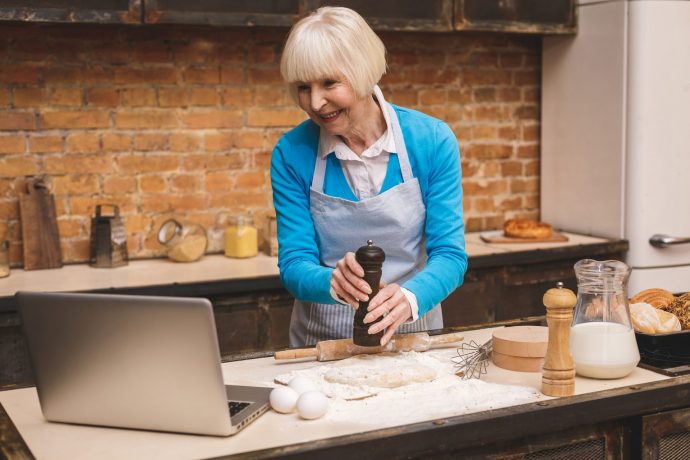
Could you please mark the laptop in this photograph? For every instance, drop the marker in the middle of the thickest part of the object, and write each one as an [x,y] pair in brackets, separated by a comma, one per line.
[141,362]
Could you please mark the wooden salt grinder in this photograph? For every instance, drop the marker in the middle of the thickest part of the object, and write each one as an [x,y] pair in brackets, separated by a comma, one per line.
[371,259]
[558,373]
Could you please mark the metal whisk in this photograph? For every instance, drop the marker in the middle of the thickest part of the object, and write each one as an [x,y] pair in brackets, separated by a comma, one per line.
[472,359]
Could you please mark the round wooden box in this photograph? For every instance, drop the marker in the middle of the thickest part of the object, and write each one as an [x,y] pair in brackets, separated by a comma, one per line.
[520,348]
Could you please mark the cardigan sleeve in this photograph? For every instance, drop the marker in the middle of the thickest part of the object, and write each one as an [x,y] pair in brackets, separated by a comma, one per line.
[444,228]
[298,255]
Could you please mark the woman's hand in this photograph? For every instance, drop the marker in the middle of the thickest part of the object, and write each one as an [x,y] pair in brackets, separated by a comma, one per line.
[347,281]
[392,304]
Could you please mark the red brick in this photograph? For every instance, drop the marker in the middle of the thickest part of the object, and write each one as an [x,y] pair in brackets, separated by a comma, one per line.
[12,144]
[213,162]
[83,75]
[29,97]
[77,164]
[86,205]
[248,139]
[152,184]
[148,75]
[83,143]
[527,112]
[75,250]
[272,95]
[147,163]
[212,119]
[151,142]
[151,52]
[4,98]
[184,183]
[285,117]
[119,184]
[217,142]
[219,180]
[202,75]
[138,97]
[205,97]
[510,204]
[461,96]
[250,180]
[46,144]
[485,187]
[484,94]
[69,228]
[406,97]
[113,142]
[485,77]
[530,132]
[529,77]
[225,200]
[17,120]
[528,151]
[511,168]
[511,60]
[531,95]
[484,205]
[491,112]
[238,97]
[432,96]
[137,223]
[172,97]
[483,132]
[22,74]
[181,142]
[483,59]
[72,97]
[264,76]
[71,185]
[508,94]
[524,185]
[485,151]
[74,120]
[14,166]
[145,119]
[232,75]
[101,97]
[9,209]
[508,133]
[263,54]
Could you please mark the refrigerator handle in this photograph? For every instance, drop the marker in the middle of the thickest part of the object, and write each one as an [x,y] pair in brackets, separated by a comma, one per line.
[662,241]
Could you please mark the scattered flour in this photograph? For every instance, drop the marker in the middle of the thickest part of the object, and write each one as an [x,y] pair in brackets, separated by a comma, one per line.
[398,388]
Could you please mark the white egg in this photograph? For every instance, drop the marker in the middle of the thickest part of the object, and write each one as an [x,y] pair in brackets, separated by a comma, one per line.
[312,405]
[283,399]
[301,384]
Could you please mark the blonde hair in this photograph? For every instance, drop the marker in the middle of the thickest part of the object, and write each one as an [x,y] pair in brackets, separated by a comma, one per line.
[330,43]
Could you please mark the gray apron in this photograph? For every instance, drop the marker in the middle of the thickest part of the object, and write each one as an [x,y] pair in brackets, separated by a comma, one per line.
[394,220]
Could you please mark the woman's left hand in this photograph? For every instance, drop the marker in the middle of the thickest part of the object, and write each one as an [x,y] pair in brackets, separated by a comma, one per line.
[392,304]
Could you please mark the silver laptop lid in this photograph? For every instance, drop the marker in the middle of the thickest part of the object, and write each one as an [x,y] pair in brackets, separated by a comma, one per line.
[126,361]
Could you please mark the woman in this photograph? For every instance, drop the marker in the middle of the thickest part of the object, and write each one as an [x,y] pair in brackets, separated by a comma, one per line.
[361,169]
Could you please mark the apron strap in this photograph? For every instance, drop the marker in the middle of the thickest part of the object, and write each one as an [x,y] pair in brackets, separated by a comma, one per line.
[319,172]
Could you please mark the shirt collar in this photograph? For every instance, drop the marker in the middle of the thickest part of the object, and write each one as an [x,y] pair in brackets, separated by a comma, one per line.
[329,144]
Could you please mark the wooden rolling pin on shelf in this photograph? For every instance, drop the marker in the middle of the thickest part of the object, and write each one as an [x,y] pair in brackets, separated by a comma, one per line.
[331,350]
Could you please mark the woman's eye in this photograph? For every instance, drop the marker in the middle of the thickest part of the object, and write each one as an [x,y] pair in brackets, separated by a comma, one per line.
[302,87]
[329,83]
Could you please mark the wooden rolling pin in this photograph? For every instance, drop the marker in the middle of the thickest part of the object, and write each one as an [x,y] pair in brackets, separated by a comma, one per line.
[331,350]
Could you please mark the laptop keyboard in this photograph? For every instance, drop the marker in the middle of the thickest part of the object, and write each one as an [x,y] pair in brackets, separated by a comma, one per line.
[236,407]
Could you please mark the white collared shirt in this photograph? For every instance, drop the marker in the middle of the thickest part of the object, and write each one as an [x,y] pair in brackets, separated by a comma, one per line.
[365,173]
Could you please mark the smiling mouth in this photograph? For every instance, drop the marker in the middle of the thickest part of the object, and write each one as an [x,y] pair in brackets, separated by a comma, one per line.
[330,117]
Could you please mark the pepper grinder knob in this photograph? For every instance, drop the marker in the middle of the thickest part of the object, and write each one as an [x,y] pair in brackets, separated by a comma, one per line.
[558,373]
[371,259]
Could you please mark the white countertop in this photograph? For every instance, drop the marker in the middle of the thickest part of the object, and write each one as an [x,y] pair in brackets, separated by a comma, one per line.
[62,441]
[154,272]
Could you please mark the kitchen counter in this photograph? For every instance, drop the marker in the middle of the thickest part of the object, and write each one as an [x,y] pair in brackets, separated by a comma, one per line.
[597,404]
[212,269]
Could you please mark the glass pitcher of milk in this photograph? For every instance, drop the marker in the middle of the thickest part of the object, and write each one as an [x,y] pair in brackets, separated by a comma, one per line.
[602,340]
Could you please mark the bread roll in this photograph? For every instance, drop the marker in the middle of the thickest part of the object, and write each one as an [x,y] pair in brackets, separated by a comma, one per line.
[657,298]
[526,228]
[650,320]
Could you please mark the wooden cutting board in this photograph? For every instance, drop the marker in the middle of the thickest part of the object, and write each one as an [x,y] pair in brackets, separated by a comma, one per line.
[40,237]
[497,236]
[520,348]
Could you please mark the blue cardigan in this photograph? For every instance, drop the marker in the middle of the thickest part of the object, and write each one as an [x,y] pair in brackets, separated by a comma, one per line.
[435,159]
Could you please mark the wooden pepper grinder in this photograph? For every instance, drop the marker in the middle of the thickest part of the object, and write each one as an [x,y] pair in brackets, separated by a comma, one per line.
[371,259]
[558,373]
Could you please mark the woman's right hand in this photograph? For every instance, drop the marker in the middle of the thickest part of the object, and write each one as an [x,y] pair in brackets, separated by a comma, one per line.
[347,281]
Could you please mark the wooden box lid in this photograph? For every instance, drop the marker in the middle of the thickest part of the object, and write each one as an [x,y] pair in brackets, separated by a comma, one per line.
[521,341]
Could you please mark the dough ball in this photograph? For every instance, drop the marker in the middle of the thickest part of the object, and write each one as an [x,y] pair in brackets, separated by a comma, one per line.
[302,385]
[283,399]
[312,405]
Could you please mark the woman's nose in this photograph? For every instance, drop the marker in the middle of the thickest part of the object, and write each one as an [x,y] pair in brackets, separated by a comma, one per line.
[317,99]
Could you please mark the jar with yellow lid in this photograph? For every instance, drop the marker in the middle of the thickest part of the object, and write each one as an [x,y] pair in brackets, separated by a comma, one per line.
[241,239]
[184,241]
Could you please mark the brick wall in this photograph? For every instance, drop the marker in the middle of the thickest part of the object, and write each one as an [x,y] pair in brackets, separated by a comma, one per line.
[181,121]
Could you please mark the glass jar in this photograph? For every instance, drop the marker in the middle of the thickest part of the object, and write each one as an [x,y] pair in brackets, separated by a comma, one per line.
[241,239]
[184,241]
[271,234]
[4,259]
[602,340]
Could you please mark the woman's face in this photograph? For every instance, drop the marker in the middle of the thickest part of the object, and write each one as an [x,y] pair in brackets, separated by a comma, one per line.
[332,104]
